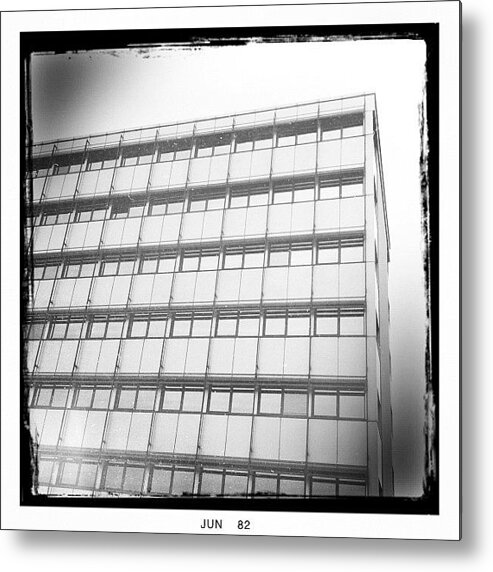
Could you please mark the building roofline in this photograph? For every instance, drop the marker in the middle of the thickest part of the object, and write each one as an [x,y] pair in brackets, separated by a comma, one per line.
[206,118]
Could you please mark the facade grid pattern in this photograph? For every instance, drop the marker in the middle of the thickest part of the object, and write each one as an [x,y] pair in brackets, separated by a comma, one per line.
[208,308]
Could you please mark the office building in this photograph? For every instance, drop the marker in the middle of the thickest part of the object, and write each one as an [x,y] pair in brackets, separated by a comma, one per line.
[209,309]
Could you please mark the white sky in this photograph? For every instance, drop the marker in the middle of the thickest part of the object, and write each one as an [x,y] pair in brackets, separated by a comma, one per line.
[81,94]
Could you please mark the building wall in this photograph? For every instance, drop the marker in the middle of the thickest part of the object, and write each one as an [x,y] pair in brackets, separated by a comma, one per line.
[204,307]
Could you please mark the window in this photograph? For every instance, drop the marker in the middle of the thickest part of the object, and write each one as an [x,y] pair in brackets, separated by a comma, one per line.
[55,217]
[45,272]
[126,209]
[297,135]
[62,328]
[339,322]
[174,150]
[141,155]
[35,330]
[141,398]
[195,325]
[295,254]
[348,125]
[288,403]
[248,141]
[340,404]
[336,187]
[78,269]
[297,191]
[148,327]
[205,259]
[249,197]
[102,160]
[217,145]
[64,164]
[104,327]
[185,399]
[244,257]
[160,264]
[90,214]
[210,201]
[117,266]
[171,205]
[50,397]
[335,251]
[219,400]
[243,324]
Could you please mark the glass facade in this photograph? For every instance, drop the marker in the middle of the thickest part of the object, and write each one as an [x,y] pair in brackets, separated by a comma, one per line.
[205,317]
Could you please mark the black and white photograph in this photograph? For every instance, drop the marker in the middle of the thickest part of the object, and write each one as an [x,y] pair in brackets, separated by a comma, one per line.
[229,279]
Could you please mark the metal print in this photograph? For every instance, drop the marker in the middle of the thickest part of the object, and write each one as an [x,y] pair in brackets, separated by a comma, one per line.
[229,272]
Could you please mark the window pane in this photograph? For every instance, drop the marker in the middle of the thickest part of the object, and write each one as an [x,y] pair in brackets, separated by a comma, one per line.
[238,200]
[182,483]
[190,263]
[44,397]
[149,266]
[59,397]
[352,406]
[172,400]
[290,487]
[70,472]
[211,484]
[274,325]
[282,197]
[235,485]
[161,480]
[133,479]
[87,269]
[139,329]
[219,401]
[84,397]
[87,475]
[298,325]
[114,476]
[74,330]
[145,399]
[114,329]
[325,404]
[295,403]
[323,488]
[303,195]
[181,327]
[270,403]
[166,265]
[352,254]
[327,255]
[192,401]
[209,262]
[253,259]
[265,486]
[242,402]
[279,258]
[226,326]
[101,398]
[127,398]
[301,257]
[126,267]
[201,327]
[259,199]
[157,329]
[248,326]
[326,325]
[351,325]
[351,489]
[233,260]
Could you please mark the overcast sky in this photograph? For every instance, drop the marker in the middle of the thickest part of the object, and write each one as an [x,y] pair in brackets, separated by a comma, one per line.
[81,94]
